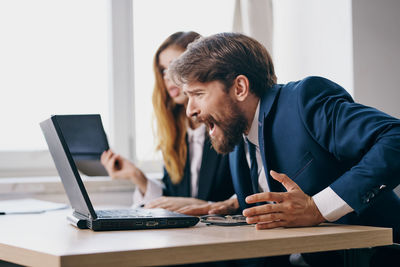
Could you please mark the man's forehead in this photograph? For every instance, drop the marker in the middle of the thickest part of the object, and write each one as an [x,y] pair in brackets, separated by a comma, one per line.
[195,86]
[188,87]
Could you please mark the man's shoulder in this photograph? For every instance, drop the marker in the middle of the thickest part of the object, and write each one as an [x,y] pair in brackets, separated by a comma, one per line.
[315,87]
[309,83]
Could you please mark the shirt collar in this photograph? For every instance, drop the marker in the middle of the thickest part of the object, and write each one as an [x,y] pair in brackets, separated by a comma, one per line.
[253,132]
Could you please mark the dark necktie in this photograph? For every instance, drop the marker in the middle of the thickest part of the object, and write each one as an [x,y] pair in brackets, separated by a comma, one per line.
[253,166]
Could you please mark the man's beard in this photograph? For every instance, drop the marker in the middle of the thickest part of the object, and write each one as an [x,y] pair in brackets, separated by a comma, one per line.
[232,128]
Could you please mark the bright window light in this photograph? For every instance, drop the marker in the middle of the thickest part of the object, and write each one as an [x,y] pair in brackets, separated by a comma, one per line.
[154,21]
[53,60]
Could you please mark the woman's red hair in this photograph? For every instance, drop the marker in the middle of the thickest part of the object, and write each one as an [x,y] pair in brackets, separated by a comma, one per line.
[171,120]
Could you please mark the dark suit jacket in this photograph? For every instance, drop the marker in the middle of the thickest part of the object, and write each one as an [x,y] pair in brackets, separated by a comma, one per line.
[215,182]
[313,131]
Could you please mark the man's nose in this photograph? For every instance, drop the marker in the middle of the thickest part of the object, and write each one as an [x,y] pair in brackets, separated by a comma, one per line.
[191,109]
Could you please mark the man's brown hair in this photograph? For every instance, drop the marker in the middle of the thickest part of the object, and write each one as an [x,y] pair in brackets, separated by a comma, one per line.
[222,57]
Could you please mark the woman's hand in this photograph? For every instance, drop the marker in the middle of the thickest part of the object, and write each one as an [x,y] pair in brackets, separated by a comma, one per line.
[173,203]
[229,206]
[120,168]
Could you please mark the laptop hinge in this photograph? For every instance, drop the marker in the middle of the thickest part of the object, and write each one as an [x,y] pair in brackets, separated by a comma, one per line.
[83,216]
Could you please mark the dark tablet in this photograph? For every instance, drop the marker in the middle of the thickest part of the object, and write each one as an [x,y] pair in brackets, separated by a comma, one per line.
[86,139]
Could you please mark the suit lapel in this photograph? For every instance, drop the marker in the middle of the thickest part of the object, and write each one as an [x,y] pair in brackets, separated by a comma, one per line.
[208,167]
[266,104]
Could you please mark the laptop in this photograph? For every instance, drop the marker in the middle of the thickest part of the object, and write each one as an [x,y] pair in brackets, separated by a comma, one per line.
[86,139]
[101,220]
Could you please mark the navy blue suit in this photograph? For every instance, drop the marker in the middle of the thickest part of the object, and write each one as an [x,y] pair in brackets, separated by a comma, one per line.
[215,182]
[313,131]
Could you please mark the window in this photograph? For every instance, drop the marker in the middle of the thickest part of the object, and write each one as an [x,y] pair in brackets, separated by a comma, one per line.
[74,56]
[154,21]
[54,60]
[313,38]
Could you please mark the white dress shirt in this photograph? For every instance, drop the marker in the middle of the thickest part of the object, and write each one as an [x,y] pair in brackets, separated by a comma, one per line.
[196,143]
[331,206]
[155,187]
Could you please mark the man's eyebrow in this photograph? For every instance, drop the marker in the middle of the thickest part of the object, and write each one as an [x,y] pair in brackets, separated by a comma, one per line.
[192,91]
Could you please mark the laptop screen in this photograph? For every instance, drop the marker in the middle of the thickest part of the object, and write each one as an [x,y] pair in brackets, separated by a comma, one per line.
[66,168]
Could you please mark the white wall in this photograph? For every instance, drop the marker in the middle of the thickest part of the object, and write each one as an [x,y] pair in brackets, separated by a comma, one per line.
[313,37]
[376,39]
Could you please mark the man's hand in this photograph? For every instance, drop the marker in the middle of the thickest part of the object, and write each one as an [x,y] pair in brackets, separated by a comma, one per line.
[173,203]
[229,206]
[292,208]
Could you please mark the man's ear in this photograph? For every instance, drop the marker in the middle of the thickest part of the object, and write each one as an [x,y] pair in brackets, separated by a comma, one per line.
[241,87]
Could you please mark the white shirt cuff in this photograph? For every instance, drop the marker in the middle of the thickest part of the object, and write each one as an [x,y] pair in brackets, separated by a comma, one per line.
[154,190]
[331,206]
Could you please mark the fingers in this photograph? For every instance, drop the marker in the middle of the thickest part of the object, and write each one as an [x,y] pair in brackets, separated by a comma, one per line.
[284,180]
[157,203]
[105,156]
[226,207]
[149,206]
[270,225]
[265,218]
[292,208]
[108,158]
[195,210]
[264,197]
[203,209]
[263,209]
[171,203]
[113,162]
[224,210]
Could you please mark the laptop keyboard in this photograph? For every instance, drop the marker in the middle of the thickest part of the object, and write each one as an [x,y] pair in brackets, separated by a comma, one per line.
[124,213]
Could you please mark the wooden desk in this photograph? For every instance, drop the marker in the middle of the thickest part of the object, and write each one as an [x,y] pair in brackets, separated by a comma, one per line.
[48,240]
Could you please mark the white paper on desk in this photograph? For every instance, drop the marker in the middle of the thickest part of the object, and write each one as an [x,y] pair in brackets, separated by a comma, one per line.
[28,205]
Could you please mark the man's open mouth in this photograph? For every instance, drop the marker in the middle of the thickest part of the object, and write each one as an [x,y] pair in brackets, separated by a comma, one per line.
[209,122]
[211,127]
